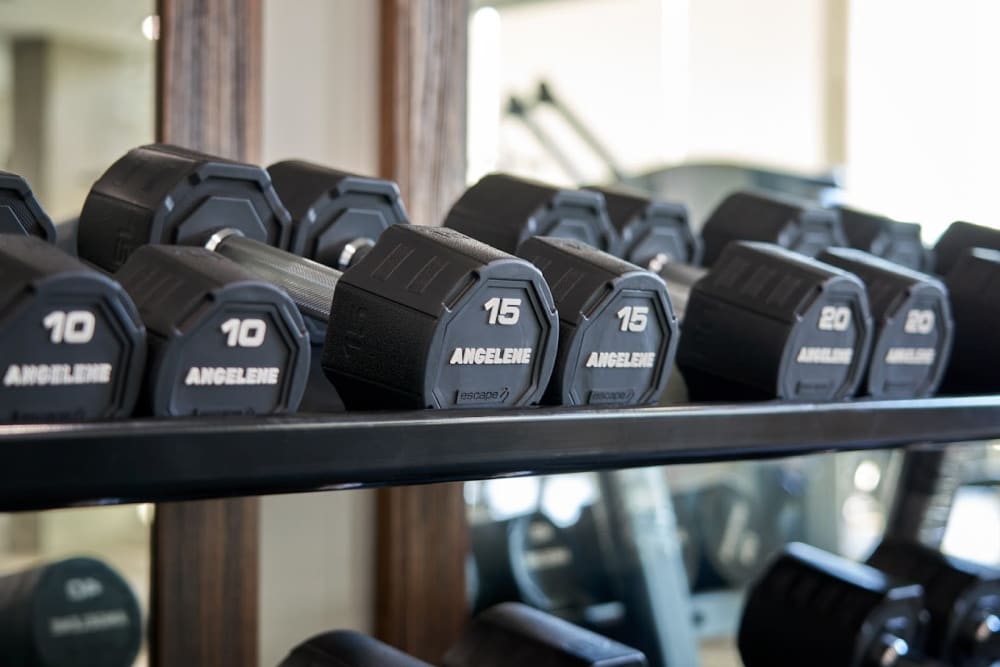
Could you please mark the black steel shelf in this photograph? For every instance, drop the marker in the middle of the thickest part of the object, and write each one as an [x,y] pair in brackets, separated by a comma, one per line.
[44,466]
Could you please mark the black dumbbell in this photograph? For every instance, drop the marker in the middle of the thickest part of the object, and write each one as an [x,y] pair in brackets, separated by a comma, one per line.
[963,599]
[515,635]
[765,322]
[504,211]
[617,329]
[913,325]
[756,216]
[958,240]
[348,648]
[813,608]
[973,284]
[427,318]
[220,340]
[66,614]
[617,332]
[162,194]
[71,342]
[20,212]
[652,231]
[897,242]
[337,216]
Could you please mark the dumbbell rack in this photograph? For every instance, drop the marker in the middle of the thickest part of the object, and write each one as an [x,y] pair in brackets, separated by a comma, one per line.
[60,465]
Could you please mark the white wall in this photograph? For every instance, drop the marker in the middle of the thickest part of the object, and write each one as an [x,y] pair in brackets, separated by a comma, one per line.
[321,104]
[923,105]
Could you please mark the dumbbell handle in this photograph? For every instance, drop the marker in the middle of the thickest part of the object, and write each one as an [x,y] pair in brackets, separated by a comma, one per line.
[680,278]
[310,284]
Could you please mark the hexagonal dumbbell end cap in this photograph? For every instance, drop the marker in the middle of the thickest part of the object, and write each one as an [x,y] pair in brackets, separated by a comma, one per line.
[432,318]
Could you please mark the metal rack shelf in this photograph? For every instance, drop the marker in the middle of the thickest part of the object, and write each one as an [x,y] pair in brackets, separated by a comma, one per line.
[43,466]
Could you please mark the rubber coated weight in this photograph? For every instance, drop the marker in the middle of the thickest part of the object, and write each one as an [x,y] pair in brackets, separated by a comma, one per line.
[337,216]
[162,194]
[73,613]
[973,285]
[897,242]
[20,212]
[221,341]
[504,211]
[347,648]
[72,346]
[958,240]
[754,216]
[427,318]
[913,325]
[813,608]
[765,322]
[514,635]
[617,330]
[963,599]
[651,230]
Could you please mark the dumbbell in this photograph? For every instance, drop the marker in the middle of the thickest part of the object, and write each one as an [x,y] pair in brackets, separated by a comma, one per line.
[813,608]
[756,216]
[766,322]
[504,211]
[652,231]
[348,648]
[69,613]
[72,346]
[221,341]
[973,283]
[913,325]
[617,333]
[963,599]
[958,240]
[337,216]
[515,635]
[163,194]
[427,318]
[20,212]
[894,241]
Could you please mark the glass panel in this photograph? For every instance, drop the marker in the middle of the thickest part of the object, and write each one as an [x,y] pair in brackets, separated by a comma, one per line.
[76,91]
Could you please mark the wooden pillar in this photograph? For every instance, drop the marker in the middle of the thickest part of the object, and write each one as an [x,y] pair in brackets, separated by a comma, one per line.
[422,537]
[206,553]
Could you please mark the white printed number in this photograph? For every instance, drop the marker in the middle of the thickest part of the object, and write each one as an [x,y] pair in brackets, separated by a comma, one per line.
[503,311]
[834,318]
[75,327]
[244,333]
[633,318]
[919,322]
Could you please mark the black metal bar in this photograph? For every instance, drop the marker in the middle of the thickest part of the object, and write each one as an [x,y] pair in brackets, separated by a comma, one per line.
[164,460]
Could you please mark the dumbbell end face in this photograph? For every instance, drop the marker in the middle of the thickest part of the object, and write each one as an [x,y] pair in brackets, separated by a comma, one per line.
[247,352]
[347,648]
[973,284]
[650,229]
[71,342]
[537,639]
[20,212]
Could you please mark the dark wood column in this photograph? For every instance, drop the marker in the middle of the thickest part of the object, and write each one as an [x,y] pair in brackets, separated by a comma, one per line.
[422,537]
[206,554]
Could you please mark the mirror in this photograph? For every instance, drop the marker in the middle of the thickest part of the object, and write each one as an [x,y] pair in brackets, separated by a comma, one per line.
[76,91]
